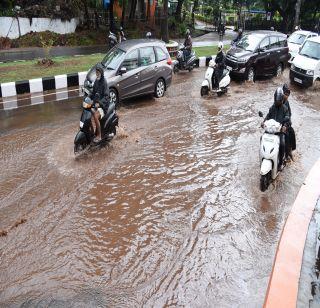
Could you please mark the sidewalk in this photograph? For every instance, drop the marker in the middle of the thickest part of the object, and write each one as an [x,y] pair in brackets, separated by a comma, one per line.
[16,54]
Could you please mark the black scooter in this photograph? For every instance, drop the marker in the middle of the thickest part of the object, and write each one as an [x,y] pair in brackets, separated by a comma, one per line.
[184,64]
[85,136]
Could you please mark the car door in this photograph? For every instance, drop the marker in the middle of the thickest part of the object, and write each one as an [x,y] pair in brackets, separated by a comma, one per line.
[275,52]
[149,69]
[128,83]
[263,62]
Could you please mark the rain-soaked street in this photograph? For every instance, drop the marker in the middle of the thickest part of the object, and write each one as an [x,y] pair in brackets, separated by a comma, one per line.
[170,214]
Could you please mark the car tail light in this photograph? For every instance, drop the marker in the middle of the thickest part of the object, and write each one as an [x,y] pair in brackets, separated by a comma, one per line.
[169,61]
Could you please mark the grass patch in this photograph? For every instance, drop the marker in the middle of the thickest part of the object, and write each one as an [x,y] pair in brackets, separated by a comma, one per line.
[208,50]
[14,71]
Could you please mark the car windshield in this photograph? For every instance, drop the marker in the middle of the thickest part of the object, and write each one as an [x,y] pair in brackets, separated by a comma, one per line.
[249,42]
[311,50]
[113,58]
[296,38]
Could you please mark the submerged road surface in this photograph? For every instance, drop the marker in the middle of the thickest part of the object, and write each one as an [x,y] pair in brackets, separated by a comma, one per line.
[170,214]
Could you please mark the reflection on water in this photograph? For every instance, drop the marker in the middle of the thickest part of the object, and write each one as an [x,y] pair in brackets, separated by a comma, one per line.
[170,213]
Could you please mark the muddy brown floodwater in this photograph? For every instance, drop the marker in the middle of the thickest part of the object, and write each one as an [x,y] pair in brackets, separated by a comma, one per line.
[170,214]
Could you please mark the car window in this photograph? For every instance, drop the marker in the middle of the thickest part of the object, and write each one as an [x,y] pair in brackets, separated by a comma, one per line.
[161,55]
[282,41]
[265,43]
[131,60]
[147,56]
[274,42]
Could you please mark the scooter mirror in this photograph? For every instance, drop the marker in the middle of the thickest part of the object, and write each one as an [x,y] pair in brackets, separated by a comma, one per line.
[260,114]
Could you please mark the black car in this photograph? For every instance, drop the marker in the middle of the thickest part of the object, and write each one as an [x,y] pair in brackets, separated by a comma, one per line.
[258,53]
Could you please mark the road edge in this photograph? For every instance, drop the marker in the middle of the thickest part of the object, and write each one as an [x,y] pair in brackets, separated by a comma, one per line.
[283,284]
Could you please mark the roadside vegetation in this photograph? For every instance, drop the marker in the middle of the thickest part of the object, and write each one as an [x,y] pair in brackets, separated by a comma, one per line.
[14,71]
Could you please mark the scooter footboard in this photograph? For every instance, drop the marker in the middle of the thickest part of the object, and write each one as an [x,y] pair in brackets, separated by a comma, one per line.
[81,138]
[266,166]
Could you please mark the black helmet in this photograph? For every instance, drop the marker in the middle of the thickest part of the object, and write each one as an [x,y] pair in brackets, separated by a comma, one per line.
[100,69]
[286,89]
[278,96]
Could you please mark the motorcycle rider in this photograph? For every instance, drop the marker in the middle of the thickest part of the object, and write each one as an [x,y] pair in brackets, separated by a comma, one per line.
[280,113]
[291,137]
[187,45]
[121,35]
[100,97]
[238,38]
[219,67]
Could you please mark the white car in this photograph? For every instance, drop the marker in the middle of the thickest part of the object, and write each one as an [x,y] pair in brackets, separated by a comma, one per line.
[305,67]
[296,40]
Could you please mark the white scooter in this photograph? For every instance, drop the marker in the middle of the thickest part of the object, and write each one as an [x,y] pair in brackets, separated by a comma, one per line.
[224,83]
[269,152]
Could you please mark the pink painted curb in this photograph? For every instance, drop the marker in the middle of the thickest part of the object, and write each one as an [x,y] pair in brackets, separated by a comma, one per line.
[284,280]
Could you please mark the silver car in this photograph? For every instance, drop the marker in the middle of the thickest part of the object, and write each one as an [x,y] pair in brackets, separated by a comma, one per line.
[133,68]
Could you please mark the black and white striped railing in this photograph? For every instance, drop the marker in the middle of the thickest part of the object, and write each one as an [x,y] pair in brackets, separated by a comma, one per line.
[10,89]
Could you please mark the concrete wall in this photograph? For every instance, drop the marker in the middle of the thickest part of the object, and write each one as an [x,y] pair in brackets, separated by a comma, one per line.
[9,26]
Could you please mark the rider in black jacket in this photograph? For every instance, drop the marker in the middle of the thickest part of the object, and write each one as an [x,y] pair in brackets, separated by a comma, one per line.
[220,66]
[187,45]
[100,97]
[280,113]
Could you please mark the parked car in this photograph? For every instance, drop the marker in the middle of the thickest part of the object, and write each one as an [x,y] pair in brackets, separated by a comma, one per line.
[134,68]
[296,40]
[258,53]
[305,68]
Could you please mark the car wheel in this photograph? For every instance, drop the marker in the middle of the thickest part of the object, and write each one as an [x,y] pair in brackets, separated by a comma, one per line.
[114,97]
[251,74]
[160,88]
[279,70]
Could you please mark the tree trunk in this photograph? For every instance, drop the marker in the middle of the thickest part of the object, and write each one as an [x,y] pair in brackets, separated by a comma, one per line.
[195,7]
[164,22]
[86,13]
[178,10]
[148,9]
[111,17]
[142,9]
[297,16]
[133,9]
[123,14]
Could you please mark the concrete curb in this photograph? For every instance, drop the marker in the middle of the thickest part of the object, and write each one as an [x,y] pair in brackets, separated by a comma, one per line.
[37,85]
[284,280]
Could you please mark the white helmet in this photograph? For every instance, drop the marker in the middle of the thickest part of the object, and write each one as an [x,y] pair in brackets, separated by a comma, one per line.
[220,45]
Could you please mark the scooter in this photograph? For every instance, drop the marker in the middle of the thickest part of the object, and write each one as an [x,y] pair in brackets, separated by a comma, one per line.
[84,138]
[224,83]
[184,64]
[269,152]
[113,41]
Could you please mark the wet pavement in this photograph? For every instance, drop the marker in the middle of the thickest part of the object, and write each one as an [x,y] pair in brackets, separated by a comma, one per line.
[169,214]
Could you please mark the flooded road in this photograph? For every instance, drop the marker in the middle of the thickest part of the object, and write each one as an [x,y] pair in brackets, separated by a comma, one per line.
[170,214]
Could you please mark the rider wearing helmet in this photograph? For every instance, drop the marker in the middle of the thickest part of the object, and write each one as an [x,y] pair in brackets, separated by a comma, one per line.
[100,97]
[239,36]
[291,136]
[187,45]
[148,35]
[280,113]
[219,67]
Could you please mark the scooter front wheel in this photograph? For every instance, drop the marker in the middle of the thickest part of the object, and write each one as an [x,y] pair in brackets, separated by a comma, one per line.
[204,91]
[265,181]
